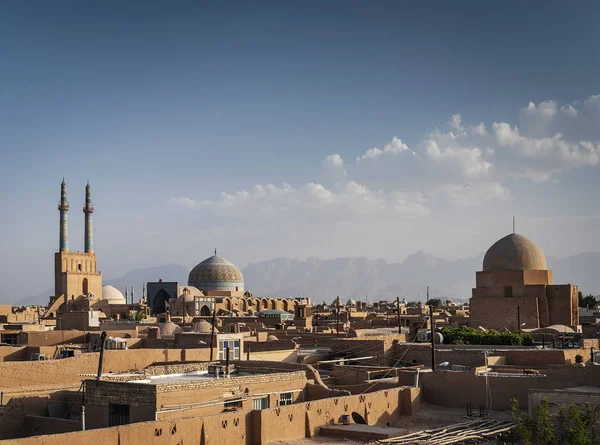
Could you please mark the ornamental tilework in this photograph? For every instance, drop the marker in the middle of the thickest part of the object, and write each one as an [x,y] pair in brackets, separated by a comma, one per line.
[216,273]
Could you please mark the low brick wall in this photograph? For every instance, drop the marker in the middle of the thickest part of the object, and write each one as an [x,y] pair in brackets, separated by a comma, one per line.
[283,423]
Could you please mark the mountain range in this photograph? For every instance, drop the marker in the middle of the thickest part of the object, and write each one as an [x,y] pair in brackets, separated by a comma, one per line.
[361,278]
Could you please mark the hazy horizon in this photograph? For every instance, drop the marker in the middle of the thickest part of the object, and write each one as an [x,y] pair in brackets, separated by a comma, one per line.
[312,130]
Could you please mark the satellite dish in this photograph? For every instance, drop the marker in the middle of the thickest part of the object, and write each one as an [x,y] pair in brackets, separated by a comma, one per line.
[443,364]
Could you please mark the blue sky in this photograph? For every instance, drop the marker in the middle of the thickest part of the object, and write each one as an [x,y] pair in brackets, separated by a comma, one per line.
[239,125]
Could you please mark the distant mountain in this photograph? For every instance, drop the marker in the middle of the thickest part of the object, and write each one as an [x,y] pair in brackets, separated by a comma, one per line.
[357,276]
[361,277]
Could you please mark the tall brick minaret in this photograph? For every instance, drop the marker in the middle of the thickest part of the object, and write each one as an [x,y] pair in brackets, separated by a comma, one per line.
[63,207]
[88,209]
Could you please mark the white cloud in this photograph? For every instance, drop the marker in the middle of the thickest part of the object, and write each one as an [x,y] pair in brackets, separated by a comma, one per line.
[334,166]
[465,171]
[547,109]
[184,202]
[394,147]
[564,153]
[474,194]
[569,110]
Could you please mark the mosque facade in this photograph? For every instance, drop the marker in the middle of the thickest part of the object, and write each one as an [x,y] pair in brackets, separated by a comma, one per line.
[515,289]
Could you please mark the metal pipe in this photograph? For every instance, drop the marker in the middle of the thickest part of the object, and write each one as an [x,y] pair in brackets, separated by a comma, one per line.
[82,417]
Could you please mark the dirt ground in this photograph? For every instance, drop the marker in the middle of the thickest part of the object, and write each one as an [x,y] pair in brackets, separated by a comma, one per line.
[429,417]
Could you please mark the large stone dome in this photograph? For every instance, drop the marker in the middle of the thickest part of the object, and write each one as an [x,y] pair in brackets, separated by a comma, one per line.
[216,273]
[514,252]
[112,295]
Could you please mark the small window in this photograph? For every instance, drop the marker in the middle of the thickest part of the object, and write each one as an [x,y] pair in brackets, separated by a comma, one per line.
[118,414]
[233,404]
[286,398]
[9,339]
[260,403]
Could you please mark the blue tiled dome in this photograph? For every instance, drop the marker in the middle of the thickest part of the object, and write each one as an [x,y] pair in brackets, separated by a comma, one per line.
[216,273]
[514,252]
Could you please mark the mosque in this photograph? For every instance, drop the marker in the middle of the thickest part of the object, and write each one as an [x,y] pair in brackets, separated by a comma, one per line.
[216,284]
[515,289]
[78,285]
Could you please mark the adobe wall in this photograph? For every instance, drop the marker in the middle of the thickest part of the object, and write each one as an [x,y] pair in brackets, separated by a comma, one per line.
[501,278]
[564,303]
[284,355]
[456,389]
[283,423]
[501,312]
[297,421]
[13,353]
[38,425]
[544,357]
[54,374]
[379,347]
[421,353]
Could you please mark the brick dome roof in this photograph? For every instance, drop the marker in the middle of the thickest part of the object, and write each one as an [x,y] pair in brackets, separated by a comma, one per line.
[514,252]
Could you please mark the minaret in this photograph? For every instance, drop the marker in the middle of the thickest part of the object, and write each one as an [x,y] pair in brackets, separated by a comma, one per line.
[88,209]
[63,207]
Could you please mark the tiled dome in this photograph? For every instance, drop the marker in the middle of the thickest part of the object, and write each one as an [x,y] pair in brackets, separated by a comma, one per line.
[216,273]
[514,252]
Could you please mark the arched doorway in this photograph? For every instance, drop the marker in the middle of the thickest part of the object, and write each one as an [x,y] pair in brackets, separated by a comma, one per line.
[205,311]
[161,298]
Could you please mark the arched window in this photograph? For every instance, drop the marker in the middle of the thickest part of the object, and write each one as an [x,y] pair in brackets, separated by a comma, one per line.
[85,286]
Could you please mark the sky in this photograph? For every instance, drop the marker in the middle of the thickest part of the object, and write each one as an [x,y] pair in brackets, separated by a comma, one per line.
[295,129]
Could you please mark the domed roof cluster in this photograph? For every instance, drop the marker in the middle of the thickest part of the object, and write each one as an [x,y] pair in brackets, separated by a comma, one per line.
[112,295]
[514,252]
[216,273]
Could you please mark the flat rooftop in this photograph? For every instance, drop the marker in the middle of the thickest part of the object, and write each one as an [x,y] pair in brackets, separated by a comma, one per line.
[187,377]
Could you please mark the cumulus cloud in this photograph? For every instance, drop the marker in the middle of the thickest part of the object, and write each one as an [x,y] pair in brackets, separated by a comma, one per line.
[394,147]
[466,166]
[184,202]
[334,165]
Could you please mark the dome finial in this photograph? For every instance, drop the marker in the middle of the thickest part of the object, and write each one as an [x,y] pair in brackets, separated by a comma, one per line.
[513,225]
[215,251]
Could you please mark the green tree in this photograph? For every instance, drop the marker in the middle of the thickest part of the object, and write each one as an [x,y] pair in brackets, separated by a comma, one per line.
[435,302]
[587,301]
[523,422]
[575,425]
[545,432]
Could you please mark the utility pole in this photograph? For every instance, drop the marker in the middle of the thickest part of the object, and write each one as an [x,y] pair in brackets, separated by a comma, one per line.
[102,340]
[519,318]
[398,310]
[337,316]
[432,322]
[212,332]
